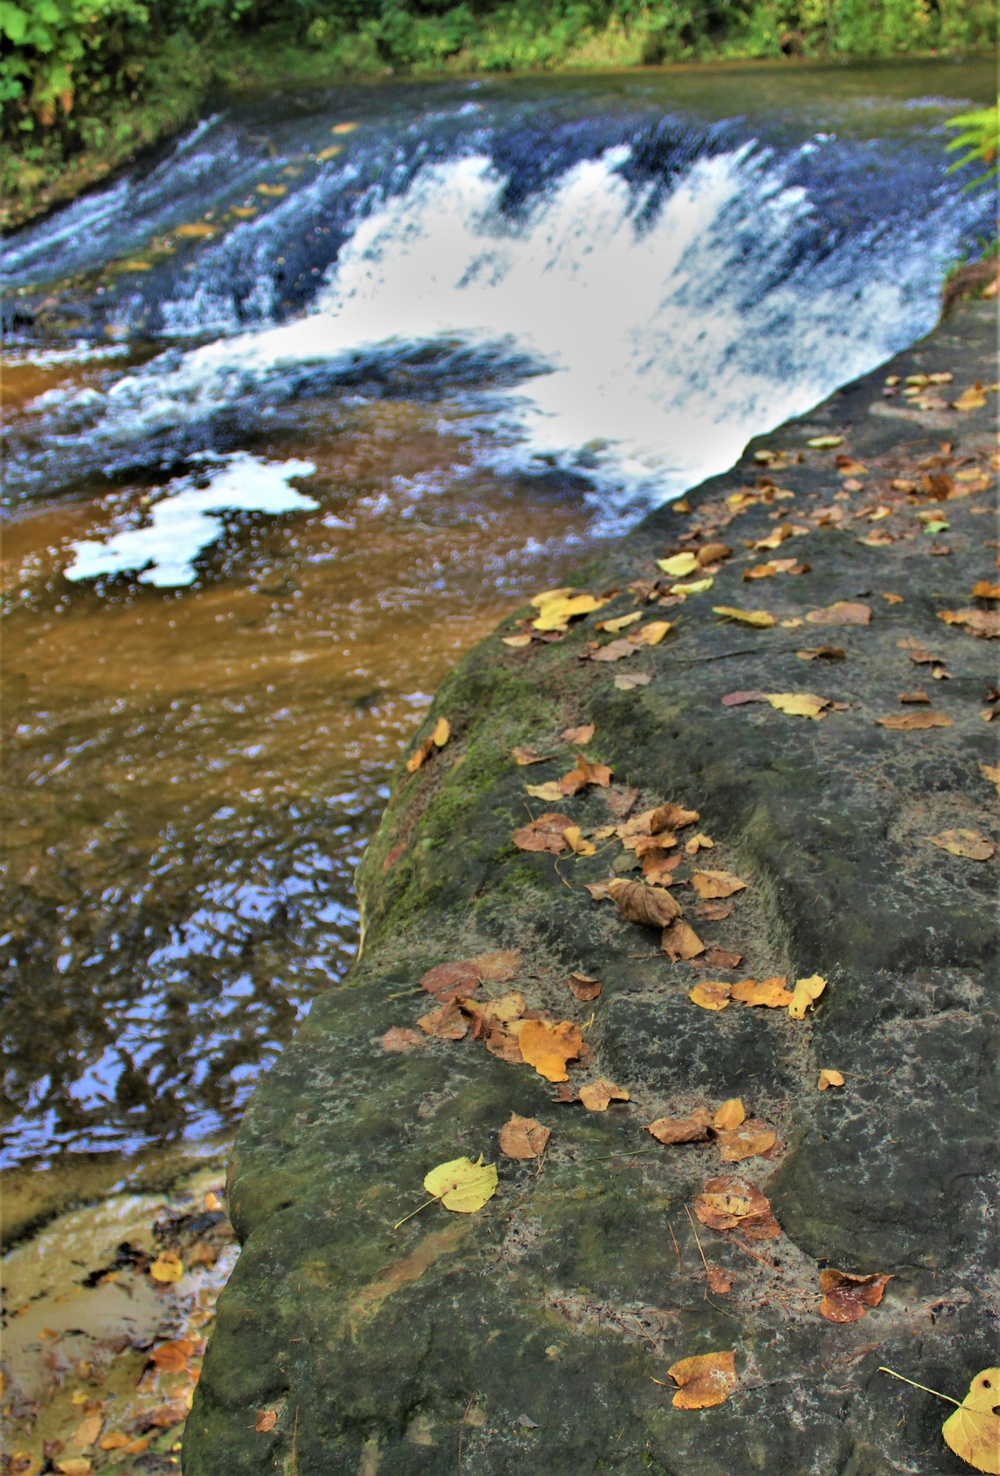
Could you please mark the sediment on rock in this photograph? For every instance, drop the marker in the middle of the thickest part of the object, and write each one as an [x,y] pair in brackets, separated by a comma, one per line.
[535,1335]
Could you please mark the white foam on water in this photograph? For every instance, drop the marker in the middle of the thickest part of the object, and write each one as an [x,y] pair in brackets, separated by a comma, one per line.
[186,520]
[661,345]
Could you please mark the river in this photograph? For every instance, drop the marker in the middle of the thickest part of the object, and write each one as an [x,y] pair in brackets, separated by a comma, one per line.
[297,408]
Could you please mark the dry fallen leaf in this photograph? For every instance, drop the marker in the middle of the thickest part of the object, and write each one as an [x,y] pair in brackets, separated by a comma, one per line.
[637,679]
[525,756]
[619,622]
[705,1380]
[973,1431]
[172,1357]
[719,1281]
[713,553]
[556,608]
[598,1094]
[549,791]
[799,704]
[741,698]
[691,1129]
[653,633]
[730,1202]
[576,842]
[436,741]
[825,443]
[584,988]
[992,773]
[713,911]
[549,1047]
[841,612]
[115,1441]
[985,623]
[730,1115]
[822,653]
[711,994]
[711,885]
[515,641]
[971,399]
[908,722]
[759,618]
[401,1040]
[721,958]
[968,843]
[461,1185]
[266,1420]
[805,994]
[523,1137]
[847,1298]
[750,1140]
[984,590]
[698,843]
[615,650]
[74,1466]
[829,1078]
[678,566]
[771,993]
[671,817]
[653,907]
[580,736]
[447,1022]
[87,1431]
[167,1267]
[543,834]
[680,941]
[583,774]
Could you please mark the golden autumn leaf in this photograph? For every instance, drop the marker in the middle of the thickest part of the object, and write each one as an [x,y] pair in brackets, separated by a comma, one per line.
[968,843]
[167,1267]
[713,553]
[970,399]
[824,443]
[543,834]
[576,842]
[549,1047]
[670,817]
[523,1137]
[653,633]
[265,1421]
[711,885]
[579,736]
[615,650]
[196,230]
[680,941]
[985,623]
[461,1185]
[678,565]
[243,212]
[88,1430]
[653,907]
[705,1380]
[798,704]
[750,1140]
[525,756]
[619,622]
[758,618]
[771,993]
[172,1357]
[74,1465]
[829,1078]
[841,612]
[598,1095]
[909,722]
[991,772]
[848,1298]
[330,152]
[516,641]
[730,1202]
[973,1431]
[549,791]
[730,1114]
[698,843]
[584,773]
[556,612]
[692,586]
[340,128]
[114,1441]
[805,994]
[691,1129]
[983,589]
[711,994]
[276,191]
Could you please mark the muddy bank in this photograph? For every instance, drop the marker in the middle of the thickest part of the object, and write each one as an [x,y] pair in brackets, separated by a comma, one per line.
[536,1334]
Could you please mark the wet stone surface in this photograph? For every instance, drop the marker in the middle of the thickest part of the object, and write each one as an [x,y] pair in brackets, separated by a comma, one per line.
[536,1335]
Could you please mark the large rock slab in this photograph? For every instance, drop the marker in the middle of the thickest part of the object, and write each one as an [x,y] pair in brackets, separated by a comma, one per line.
[536,1334]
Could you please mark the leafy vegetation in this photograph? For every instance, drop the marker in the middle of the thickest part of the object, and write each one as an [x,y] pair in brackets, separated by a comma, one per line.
[83,83]
[980,138]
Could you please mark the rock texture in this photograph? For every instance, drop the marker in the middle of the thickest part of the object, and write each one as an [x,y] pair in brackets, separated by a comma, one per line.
[535,1336]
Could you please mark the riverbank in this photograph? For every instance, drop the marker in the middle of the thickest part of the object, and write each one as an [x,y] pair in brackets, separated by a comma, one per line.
[793,668]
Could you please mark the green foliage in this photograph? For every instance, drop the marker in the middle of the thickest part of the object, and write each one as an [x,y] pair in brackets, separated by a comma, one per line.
[980,138]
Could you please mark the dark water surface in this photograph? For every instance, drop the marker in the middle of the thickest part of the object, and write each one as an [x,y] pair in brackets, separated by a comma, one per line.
[289,429]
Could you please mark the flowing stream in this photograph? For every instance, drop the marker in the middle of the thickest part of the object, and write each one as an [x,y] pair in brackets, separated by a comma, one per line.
[296,410]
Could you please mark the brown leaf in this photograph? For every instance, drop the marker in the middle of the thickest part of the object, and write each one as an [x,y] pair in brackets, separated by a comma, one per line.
[681,941]
[908,722]
[713,553]
[653,907]
[448,981]
[721,958]
[739,699]
[750,1140]
[549,791]
[714,884]
[658,864]
[822,653]
[968,843]
[620,800]
[266,1420]
[691,1129]
[525,756]
[772,993]
[165,1415]
[713,911]
[848,1298]
[671,817]
[841,612]
[829,1078]
[985,623]
[583,988]
[731,1202]
[711,994]
[436,741]
[549,1047]
[446,1021]
[543,834]
[172,1357]
[719,1281]
[580,736]
[87,1431]
[598,890]
[635,679]
[699,842]
[393,856]
[705,1380]
[576,842]
[583,774]
[523,1137]
[401,1039]
[598,1094]
[615,650]
[991,772]
[914,699]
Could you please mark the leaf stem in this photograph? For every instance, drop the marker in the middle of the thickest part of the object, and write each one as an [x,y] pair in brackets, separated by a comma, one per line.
[936,1392]
[433,1200]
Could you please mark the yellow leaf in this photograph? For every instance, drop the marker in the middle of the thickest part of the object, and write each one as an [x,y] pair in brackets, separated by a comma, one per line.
[136,266]
[799,704]
[243,212]
[678,565]
[340,128]
[711,884]
[547,791]
[973,1431]
[829,1078]
[549,1047]
[825,443]
[276,190]
[329,153]
[516,640]
[968,843]
[751,1139]
[771,993]
[805,995]
[599,1094]
[711,994]
[167,1267]
[705,1380]
[653,633]
[759,618]
[74,1466]
[620,622]
[991,772]
[87,1431]
[730,1114]
[695,586]
[970,399]
[461,1185]
[548,596]
[577,844]
[442,732]
[197,230]
[556,614]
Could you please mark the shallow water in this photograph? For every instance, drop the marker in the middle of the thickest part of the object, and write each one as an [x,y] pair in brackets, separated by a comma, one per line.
[268,476]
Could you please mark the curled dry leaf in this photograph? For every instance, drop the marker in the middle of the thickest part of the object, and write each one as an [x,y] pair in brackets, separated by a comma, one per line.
[400,1039]
[584,988]
[730,1202]
[583,774]
[436,741]
[461,1185]
[658,866]
[680,941]
[771,993]
[825,443]
[848,1298]
[713,553]
[525,756]
[721,958]
[543,834]
[751,1139]
[653,907]
[576,842]
[671,817]
[619,622]
[691,1129]
[580,736]
[711,994]
[705,1380]
[549,1047]
[598,890]
[266,1420]
[829,1078]
[968,843]
[761,619]
[597,1096]
[713,911]
[909,722]
[741,698]
[523,1137]
[730,1115]
[549,791]
[447,1022]
[973,1431]
[698,843]
[711,885]
[822,653]
[805,994]
[615,650]
[841,612]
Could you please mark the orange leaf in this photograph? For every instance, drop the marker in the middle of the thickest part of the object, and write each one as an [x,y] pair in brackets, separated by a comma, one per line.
[523,1137]
[750,1140]
[543,834]
[681,941]
[848,1298]
[691,1129]
[549,1047]
[705,1380]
